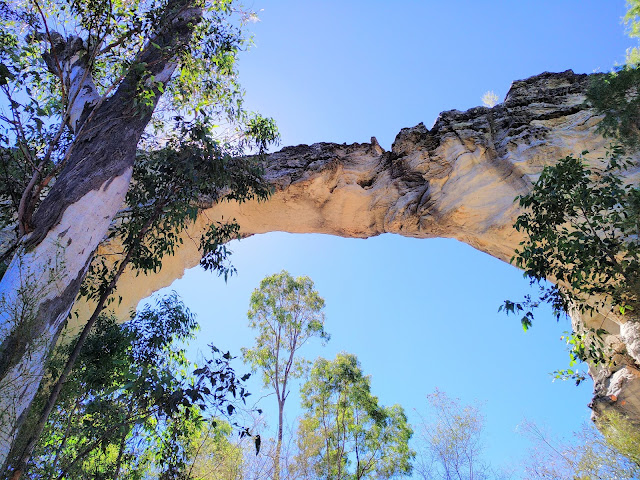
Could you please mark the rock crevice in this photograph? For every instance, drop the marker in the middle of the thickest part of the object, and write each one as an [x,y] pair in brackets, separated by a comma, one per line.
[458,179]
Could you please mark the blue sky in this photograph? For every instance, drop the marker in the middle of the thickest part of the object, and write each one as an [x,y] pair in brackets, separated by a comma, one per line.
[419,314]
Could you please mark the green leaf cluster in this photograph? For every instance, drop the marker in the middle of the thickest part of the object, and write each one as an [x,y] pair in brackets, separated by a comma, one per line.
[581,228]
[134,405]
[286,312]
[170,186]
[345,433]
[616,96]
[581,225]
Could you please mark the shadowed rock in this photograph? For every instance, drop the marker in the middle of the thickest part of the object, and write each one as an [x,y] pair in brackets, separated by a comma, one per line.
[456,180]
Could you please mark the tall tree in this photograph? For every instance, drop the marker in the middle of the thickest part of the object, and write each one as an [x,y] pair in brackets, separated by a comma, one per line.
[134,404]
[78,105]
[286,312]
[450,442]
[345,433]
[161,202]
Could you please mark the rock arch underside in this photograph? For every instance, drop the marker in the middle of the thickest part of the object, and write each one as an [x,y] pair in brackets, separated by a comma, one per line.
[455,180]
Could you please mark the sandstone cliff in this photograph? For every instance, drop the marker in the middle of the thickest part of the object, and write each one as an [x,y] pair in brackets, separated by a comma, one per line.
[457,179]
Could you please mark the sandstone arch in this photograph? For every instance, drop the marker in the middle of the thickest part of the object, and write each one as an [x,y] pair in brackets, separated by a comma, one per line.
[457,180]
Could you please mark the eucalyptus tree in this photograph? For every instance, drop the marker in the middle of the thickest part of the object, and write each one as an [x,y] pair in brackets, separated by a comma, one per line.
[286,312]
[134,405]
[345,433]
[82,81]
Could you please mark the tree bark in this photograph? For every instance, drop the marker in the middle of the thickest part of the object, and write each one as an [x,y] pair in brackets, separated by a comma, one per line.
[276,461]
[44,277]
[21,459]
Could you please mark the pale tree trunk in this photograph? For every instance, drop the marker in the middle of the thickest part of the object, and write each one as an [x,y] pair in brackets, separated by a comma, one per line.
[44,277]
[276,462]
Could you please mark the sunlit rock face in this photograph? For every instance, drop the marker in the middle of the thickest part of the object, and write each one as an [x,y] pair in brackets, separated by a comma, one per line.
[457,179]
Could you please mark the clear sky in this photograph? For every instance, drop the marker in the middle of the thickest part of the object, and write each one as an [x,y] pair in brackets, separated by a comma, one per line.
[419,314]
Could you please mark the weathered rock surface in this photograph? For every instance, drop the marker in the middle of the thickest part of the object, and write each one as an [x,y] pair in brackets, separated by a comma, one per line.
[457,179]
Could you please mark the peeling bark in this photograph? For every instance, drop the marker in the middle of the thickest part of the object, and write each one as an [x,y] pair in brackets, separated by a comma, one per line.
[44,277]
[457,179]
[70,60]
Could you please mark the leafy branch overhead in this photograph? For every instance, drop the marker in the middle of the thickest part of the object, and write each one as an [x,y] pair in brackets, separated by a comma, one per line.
[582,227]
[170,187]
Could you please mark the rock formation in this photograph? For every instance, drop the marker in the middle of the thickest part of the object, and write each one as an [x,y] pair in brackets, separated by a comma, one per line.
[457,179]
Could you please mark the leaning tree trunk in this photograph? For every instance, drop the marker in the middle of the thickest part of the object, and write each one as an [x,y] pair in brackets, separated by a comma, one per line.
[44,277]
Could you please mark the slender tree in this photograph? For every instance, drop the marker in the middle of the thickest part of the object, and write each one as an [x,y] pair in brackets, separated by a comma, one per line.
[345,433]
[607,449]
[286,312]
[82,81]
[134,404]
[450,441]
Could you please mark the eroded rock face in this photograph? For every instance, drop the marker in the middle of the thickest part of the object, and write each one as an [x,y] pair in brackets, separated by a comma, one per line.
[457,179]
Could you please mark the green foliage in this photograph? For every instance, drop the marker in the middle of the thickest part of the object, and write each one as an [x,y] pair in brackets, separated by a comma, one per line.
[116,31]
[345,433]
[581,226]
[134,404]
[286,312]
[262,132]
[616,96]
[170,185]
[586,345]
[31,141]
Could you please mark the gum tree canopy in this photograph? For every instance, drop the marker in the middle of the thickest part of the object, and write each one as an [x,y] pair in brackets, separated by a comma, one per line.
[82,83]
[286,313]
